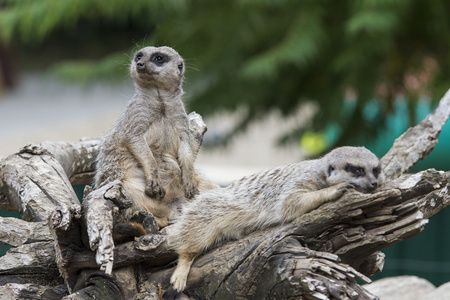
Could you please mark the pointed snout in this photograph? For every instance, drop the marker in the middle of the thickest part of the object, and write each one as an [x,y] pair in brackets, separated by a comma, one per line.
[365,186]
[371,186]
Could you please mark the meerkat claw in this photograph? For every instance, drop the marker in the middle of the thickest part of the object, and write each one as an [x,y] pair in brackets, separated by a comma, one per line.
[155,190]
[350,186]
[190,191]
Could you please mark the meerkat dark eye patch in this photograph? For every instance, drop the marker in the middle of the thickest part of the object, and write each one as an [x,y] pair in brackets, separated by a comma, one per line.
[376,171]
[138,56]
[356,171]
[159,58]
[180,67]
[330,169]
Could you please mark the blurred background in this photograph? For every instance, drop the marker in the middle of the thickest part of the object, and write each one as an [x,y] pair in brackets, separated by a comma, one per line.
[276,81]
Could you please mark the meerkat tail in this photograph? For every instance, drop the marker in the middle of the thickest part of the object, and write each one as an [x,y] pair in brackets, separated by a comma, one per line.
[124,232]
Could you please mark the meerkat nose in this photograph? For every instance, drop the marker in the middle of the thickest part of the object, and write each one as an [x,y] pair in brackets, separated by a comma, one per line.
[140,65]
[374,184]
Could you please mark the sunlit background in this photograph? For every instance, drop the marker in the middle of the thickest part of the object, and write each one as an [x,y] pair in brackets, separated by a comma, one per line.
[276,81]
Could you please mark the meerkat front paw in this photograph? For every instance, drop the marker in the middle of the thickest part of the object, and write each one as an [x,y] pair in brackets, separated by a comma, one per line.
[197,125]
[154,189]
[341,188]
[190,190]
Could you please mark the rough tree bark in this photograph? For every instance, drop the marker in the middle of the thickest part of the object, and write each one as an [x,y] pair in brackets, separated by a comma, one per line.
[318,256]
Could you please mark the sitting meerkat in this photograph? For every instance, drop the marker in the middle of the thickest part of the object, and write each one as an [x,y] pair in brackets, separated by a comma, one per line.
[152,148]
[268,198]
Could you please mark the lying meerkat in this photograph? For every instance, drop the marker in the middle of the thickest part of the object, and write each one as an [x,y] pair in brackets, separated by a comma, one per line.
[268,198]
[151,149]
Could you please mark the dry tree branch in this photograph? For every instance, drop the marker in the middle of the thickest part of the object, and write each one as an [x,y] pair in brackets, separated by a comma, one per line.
[318,255]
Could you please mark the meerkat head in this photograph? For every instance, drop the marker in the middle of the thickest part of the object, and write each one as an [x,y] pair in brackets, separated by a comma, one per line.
[355,165]
[157,67]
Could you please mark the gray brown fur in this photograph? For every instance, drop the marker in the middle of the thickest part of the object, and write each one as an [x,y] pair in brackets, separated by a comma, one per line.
[152,147]
[268,198]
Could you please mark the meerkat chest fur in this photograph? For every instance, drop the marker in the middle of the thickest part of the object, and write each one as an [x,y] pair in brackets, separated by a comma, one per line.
[168,127]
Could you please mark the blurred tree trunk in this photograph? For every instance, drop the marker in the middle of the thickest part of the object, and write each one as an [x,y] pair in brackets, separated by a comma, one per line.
[318,256]
[7,67]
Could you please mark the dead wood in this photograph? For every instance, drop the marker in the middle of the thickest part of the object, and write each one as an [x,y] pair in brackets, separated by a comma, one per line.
[417,142]
[318,256]
[16,232]
[32,291]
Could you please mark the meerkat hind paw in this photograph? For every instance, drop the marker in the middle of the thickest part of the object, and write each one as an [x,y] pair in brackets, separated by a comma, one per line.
[178,281]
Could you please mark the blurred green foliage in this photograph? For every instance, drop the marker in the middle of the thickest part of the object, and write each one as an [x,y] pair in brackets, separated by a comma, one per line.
[258,54]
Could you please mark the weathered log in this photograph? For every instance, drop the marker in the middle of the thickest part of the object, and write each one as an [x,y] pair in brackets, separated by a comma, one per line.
[67,241]
[28,258]
[77,159]
[417,142]
[30,180]
[32,291]
[318,255]
[261,266]
[98,214]
[42,172]
[16,232]
[34,182]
